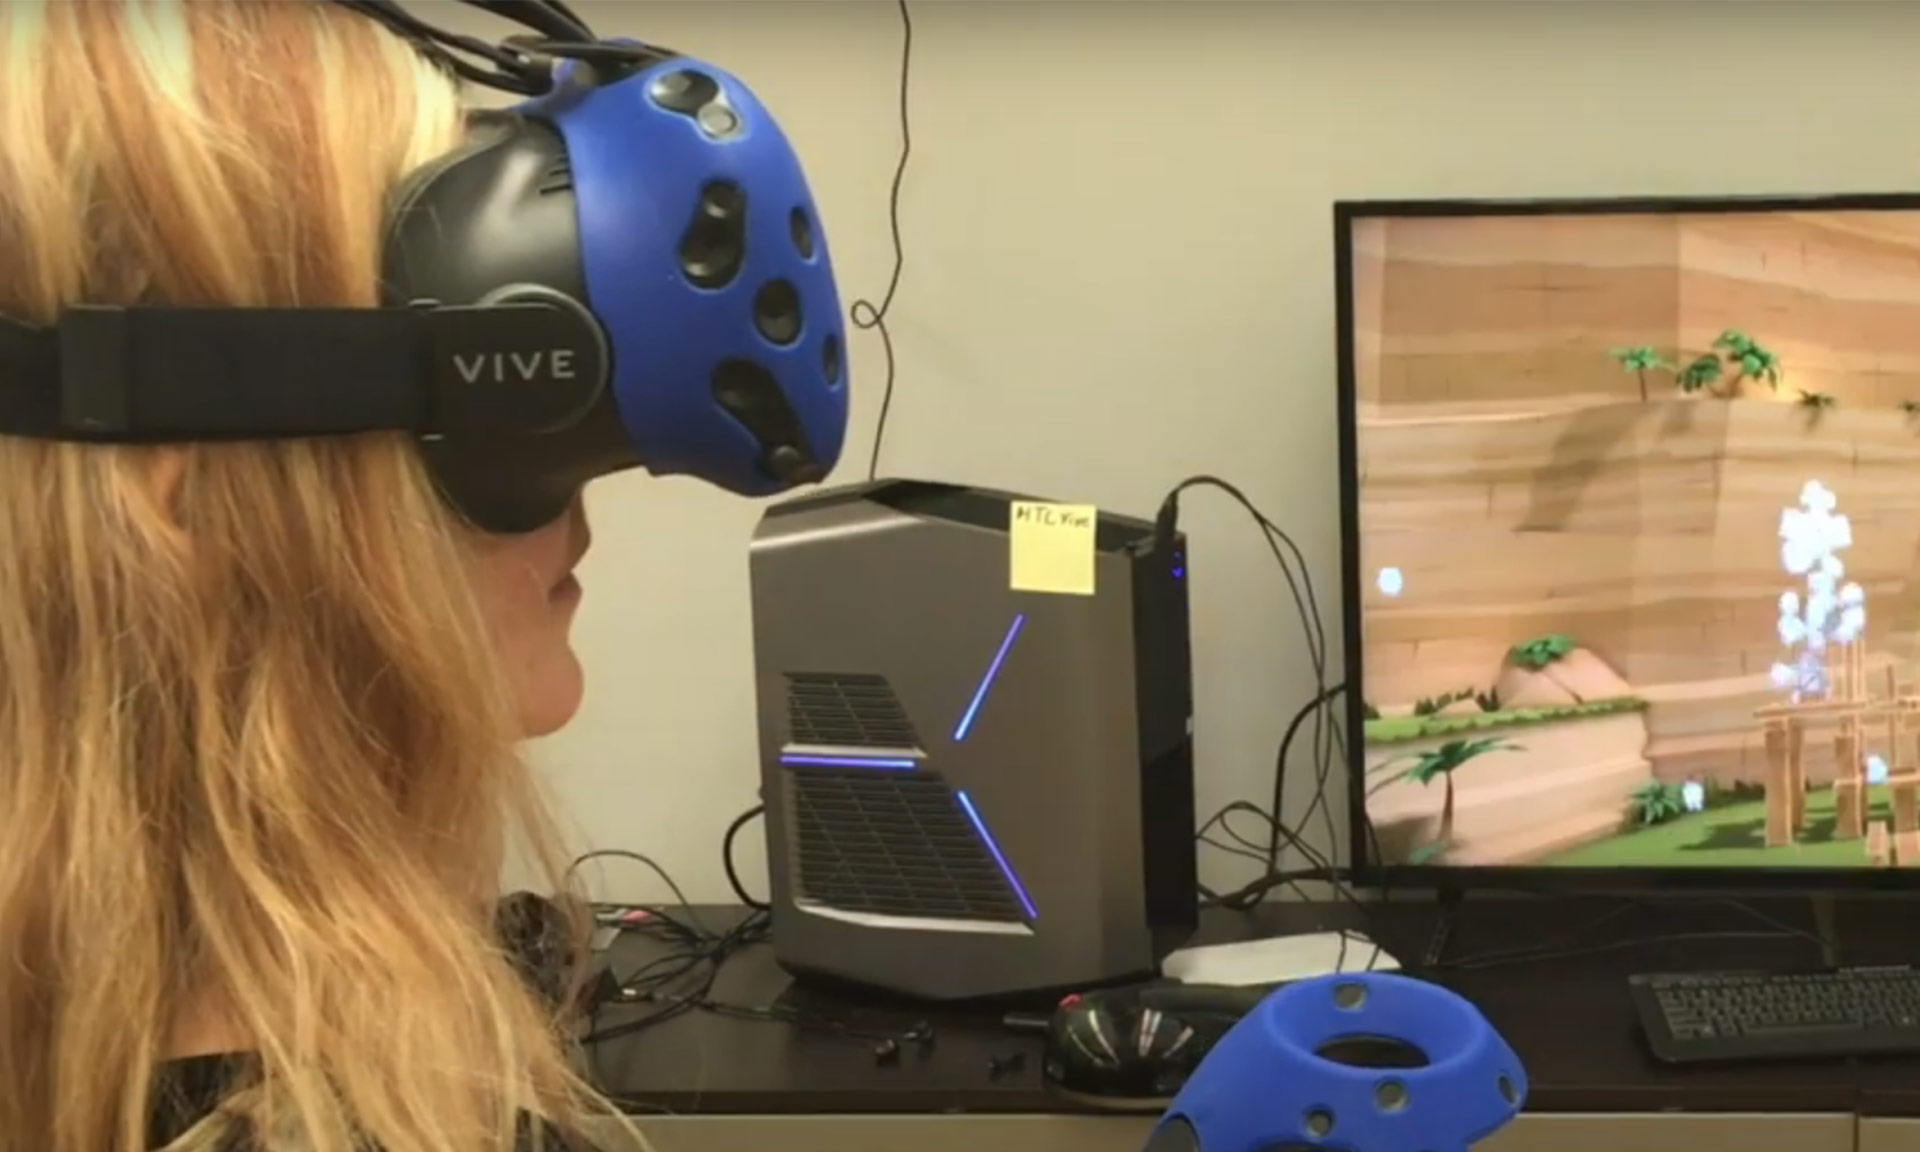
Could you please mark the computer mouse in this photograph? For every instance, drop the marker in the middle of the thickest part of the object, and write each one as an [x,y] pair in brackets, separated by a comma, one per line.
[1132,1049]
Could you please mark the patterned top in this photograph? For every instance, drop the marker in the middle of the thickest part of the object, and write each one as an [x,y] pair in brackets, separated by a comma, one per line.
[197,1108]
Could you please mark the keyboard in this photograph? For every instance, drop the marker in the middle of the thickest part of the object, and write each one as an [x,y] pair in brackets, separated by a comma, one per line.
[1731,1016]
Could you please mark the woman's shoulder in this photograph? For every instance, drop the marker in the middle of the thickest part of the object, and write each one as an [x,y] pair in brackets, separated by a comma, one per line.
[200,1104]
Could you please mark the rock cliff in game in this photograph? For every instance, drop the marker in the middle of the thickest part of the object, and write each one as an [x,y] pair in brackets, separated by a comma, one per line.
[1578,677]
[1581,440]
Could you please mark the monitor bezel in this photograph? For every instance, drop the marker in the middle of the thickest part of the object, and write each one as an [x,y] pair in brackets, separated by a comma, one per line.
[1363,869]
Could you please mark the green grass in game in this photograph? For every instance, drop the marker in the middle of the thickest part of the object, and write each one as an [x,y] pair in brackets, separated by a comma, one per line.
[1733,836]
[1401,729]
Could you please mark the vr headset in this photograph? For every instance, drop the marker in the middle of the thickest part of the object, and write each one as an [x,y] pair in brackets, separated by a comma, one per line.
[626,270]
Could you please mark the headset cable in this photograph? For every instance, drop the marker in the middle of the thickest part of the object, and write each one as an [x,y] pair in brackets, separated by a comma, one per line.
[866,315]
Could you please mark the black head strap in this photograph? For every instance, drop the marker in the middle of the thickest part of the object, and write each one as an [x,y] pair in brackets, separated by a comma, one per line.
[167,374]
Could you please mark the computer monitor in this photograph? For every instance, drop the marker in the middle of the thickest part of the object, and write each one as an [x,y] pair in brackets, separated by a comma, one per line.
[1632,540]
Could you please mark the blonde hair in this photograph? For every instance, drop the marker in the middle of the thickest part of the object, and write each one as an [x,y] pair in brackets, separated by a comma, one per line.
[253,748]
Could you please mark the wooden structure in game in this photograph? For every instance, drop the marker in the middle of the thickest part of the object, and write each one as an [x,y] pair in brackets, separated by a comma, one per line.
[1850,711]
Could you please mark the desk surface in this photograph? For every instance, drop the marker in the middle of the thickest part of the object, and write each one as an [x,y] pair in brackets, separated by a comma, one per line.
[1566,1012]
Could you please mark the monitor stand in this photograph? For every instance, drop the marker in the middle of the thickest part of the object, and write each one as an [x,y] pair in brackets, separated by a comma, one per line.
[1447,901]
[1824,927]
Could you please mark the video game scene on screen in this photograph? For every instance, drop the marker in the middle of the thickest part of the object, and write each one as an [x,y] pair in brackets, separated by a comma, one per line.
[1640,537]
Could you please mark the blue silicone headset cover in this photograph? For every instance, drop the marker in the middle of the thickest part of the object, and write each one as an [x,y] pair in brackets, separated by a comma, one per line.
[639,171]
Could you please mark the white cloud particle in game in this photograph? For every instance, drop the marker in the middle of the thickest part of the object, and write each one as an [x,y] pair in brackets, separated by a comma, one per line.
[1812,536]
[1390,582]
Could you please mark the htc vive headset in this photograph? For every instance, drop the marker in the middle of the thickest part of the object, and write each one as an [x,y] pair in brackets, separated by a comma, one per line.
[625,270]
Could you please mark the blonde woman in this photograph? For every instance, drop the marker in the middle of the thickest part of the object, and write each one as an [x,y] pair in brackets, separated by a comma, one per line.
[259,701]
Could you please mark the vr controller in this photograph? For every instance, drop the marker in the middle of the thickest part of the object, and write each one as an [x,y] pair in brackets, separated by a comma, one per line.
[1268,1084]
[626,270]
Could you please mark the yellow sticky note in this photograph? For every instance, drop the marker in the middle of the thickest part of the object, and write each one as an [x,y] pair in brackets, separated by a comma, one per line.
[1051,548]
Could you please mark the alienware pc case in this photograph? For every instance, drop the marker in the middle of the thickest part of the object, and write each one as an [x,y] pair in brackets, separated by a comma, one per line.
[970,791]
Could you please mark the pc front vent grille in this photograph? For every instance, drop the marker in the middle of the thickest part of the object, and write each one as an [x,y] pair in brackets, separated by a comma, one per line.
[843,710]
[892,844]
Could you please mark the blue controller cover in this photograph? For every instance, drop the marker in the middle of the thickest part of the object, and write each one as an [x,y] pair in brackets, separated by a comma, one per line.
[1267,1087]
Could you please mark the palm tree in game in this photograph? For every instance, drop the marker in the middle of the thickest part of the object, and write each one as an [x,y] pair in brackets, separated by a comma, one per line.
[1440,763]
[1748,360]
[1641,361]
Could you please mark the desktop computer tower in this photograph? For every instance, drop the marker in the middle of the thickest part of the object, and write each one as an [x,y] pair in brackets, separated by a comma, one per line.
[971,791]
